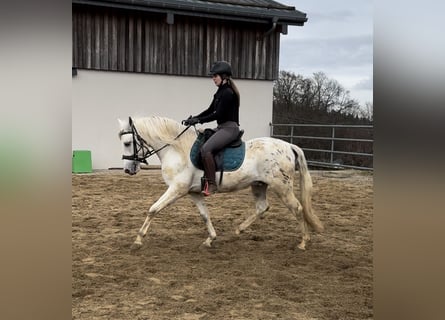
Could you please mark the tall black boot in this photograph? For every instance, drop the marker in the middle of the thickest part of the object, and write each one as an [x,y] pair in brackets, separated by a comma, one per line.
[209,173]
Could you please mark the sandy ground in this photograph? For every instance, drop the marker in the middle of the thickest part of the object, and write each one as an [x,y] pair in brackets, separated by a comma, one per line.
[260,274]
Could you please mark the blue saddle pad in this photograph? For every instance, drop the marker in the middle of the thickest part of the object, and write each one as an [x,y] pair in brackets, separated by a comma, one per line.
[229,159]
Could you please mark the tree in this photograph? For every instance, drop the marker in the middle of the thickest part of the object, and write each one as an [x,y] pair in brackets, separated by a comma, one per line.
[318,96]
[368,111]
[286,88]
[320,100]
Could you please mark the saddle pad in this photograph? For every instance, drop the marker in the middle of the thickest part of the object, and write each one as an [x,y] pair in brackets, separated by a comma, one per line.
[232,158]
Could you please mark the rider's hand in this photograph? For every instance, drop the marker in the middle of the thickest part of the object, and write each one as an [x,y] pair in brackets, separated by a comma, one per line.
[185,122]
[190,121]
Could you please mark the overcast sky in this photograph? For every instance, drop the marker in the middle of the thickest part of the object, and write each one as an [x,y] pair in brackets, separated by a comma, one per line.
[337,39]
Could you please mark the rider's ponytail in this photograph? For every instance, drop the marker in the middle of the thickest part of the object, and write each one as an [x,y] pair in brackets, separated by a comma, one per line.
[234,88]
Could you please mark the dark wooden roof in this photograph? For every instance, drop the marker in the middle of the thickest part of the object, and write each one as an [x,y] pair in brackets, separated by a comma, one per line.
[254,3]
[259,11]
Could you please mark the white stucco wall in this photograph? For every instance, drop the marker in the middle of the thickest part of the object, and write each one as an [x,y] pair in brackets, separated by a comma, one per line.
[99,98]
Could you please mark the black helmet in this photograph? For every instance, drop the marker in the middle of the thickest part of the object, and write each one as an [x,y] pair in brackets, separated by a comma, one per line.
[221,67]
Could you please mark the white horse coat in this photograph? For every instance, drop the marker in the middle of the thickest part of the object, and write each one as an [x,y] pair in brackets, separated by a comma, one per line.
[268,162]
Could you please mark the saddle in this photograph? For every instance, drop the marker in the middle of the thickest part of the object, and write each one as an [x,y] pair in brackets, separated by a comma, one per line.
[229,158]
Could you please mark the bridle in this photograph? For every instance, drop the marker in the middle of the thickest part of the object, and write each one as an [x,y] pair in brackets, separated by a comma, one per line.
[141,146]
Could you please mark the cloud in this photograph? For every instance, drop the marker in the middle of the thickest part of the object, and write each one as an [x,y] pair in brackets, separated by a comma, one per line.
[335,52]
[336,40]
[317,17]
[365,84]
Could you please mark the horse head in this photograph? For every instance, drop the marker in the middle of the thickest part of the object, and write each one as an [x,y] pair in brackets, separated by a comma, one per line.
[133,147]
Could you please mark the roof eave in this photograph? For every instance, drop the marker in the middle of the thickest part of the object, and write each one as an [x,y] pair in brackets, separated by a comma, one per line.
[214,10]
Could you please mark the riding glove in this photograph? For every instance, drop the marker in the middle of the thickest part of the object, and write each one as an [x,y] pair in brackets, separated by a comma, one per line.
[191,121]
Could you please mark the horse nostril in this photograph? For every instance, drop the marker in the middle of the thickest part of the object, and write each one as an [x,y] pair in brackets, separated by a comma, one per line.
[127,171]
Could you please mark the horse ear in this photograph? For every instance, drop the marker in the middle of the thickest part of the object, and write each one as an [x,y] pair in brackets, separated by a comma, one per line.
[121,123]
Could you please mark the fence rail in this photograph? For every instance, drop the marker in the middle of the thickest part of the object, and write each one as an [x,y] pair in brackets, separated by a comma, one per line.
[359,159]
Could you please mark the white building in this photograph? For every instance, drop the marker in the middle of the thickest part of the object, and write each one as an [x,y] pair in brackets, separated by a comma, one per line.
[152,58]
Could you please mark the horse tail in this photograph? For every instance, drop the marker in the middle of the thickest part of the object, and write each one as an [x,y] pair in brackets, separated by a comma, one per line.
[306,190]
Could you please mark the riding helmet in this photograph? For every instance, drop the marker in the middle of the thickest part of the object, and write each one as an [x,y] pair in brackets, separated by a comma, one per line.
[221,67]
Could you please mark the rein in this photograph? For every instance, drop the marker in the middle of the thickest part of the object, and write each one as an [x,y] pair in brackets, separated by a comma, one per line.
[139,144]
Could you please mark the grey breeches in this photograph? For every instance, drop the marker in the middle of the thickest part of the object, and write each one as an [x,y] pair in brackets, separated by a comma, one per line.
[225,134]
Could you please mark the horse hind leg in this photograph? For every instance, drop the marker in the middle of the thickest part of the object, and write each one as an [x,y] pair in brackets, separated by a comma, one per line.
[292,203]
[261,205]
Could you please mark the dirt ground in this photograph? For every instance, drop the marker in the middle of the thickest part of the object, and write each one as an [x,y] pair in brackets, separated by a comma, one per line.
[260,274]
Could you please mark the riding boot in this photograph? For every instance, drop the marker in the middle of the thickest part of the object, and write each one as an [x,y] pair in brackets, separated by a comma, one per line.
[209,173]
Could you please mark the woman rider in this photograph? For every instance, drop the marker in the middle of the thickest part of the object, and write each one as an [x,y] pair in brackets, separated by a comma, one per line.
[225,110]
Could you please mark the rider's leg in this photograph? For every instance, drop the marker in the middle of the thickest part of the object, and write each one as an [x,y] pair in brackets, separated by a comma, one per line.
[224,134]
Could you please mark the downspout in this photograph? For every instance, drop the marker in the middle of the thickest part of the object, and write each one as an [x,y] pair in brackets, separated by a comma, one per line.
[274,26]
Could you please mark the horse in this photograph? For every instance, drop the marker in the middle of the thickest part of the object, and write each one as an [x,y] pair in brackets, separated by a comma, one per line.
[268,163]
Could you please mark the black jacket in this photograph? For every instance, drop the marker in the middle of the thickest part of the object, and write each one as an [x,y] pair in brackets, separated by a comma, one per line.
[224,107]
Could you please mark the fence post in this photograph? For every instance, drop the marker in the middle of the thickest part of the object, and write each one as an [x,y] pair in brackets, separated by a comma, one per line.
[292,134]
[332,145]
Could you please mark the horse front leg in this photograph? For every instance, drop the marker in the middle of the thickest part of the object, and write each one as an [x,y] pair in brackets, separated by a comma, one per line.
[198,199]
[171,195]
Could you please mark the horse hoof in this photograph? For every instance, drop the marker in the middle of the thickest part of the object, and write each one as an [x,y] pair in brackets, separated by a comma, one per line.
[238,231]
[262,215]
[302,247]
[135,247]
[207,243]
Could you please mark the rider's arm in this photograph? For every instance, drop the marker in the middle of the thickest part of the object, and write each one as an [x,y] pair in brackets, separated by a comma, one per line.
[221,104]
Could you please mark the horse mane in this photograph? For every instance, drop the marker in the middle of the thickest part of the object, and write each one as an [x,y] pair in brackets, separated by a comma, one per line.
[165,130]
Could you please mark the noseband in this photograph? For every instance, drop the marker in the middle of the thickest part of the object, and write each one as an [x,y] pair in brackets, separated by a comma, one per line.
[141,146]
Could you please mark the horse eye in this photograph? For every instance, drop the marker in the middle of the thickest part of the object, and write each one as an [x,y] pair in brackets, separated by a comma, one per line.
[127,144]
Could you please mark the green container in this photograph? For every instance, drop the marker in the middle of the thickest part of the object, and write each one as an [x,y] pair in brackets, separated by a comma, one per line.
[82,161]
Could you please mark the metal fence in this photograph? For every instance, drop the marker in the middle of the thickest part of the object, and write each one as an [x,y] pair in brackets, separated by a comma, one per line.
[329,154]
